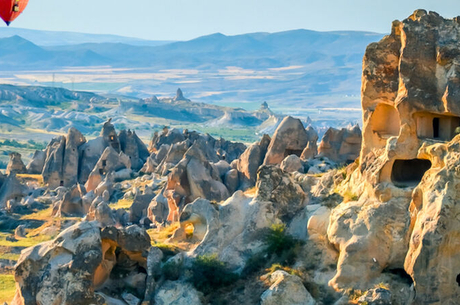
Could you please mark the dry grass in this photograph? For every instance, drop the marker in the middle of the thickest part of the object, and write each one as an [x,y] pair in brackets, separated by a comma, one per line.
[29,241]
[122,204]
[31,178]
[44,215]
[7,287]
[160,235]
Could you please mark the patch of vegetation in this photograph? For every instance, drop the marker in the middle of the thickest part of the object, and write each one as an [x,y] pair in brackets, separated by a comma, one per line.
[281,250]
[31,144]
[29,241]
[168,250]
[354,294]
[289,270]
[160,235]
[282,245]
[124,204]
[9,256]
[209,273]
[7,287]
[350,196]
[171,270]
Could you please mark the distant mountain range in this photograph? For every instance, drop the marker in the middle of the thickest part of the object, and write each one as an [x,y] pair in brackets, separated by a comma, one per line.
[294,71]
[56,38]
[217,51]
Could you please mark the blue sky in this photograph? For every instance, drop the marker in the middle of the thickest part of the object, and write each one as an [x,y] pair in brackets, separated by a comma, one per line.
[187,19]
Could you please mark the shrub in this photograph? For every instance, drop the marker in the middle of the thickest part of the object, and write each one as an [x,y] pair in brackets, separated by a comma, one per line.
[171,270]
[281,244]
[289,270]
[209,273]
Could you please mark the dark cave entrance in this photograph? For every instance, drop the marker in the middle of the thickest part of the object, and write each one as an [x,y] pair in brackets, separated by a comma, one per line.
[289,152]
[458,279]
[409,172]
[436,128]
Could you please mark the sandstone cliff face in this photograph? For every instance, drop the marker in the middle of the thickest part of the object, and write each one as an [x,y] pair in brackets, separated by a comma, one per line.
[402,215]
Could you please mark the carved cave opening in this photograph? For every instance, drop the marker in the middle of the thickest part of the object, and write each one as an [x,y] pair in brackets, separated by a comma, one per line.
[385,121]
[438,127]
[409,172]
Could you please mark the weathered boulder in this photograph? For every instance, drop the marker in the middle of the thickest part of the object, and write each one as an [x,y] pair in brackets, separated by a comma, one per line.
[341,145]
[168,136]
[72,203]
[231,181]
[12,189]
[286,289]
[15,165]
[311,150]
[71,160]
[35,166]
[250,160]
[40,270]
[177,293]
[290,138]
[109,135]
[291,164]
[134,148]
[279,187]
[110,161]
[54,163]
[138,208]
[82,259]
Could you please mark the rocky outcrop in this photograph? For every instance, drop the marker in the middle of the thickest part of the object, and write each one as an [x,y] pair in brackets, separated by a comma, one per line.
[12,189]
[15,165]
[70,168]
[109,162]
[72,203]
[35,166]
[193,177]
[54,163]
[286,289]
[233,228]
[134,148]
[311,150]
[250,161]
[177,293]
[62,160]
[407,168]
[341,145]
[80,260]
[290,138]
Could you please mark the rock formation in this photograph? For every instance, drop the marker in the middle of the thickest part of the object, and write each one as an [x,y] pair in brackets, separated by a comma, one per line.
[15,165]
[37,162]
[250,160]
[408,165]
[80,261]
[290,138]
[311,150]
[341,145]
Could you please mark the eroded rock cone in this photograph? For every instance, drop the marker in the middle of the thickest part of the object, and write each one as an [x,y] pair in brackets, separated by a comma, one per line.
[15,165]
[290,138]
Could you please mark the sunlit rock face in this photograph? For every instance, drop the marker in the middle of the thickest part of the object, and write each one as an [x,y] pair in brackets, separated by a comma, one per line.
[406,185]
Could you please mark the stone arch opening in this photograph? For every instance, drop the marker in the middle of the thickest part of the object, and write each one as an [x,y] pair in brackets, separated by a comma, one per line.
[385,121]
[435,126]
[409,172]
[458,279]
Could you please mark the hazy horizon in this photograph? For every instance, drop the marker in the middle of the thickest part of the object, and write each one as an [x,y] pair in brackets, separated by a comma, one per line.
[185,20]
